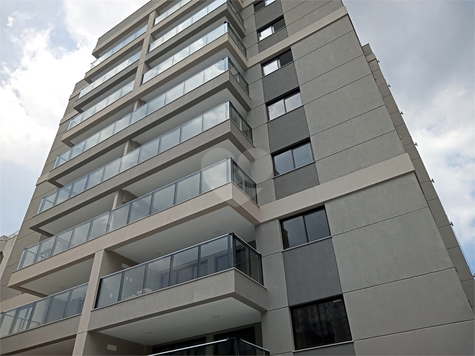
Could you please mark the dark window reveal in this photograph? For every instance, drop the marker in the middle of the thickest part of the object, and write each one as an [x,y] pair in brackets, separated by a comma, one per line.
[293,158]
[277,63]
[305,228]
[270,29]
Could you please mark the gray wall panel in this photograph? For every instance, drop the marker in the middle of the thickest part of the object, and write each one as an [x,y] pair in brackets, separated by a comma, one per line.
[295,181]
[287,129]
[311,272]
[268,14]
[272,39]
[280,82]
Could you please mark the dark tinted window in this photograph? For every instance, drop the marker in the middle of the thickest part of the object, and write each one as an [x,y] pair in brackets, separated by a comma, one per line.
[293,158]
[305,228]
[279,24]
[320,323]
[277,62]
[259,5]
[284,105]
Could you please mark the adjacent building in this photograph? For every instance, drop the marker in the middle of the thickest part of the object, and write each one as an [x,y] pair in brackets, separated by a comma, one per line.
[235,177]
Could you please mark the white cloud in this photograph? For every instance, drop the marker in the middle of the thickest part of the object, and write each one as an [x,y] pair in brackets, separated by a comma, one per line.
[10,21]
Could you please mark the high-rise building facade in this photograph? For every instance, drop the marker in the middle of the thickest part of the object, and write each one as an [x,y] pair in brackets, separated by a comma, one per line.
[234,177]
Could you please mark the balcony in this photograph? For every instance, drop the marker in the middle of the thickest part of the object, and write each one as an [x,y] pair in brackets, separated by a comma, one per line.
[230,346]
[43,311]
[162,143]
[184,189]
[170,11]
[154,105]
[119,46]
[76,120]
[193,19]
[213,256]
[194,47]
[96,83]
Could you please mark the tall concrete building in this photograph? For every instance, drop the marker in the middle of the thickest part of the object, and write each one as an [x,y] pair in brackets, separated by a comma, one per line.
[234,177]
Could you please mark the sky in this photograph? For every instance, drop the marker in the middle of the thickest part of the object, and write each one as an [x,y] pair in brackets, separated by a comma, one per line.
[426,52]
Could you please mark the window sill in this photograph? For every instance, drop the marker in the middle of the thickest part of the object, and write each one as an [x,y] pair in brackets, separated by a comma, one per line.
[324,346]
[292,170]
[306,244]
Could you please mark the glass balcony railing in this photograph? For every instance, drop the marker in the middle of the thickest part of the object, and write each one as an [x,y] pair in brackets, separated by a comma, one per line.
[110,74]
[191,20]
[211,118]
[55,307]
[195,46]
[171,10]
[76,120]
[212,256]
[176,92]
[229,346]
[119,46]
[174,193]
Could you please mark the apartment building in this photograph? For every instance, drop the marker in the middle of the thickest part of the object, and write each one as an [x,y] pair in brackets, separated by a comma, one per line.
[235,177]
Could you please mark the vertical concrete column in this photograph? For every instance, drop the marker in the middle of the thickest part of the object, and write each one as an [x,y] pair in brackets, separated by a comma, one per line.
[122,197]
[105,262]
[142,67]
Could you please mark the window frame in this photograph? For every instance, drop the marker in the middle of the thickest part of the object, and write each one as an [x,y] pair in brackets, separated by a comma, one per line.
[270,26]
[283,99]
[303,215]
[278,60]
[291,149]
[265,2]
[318,318]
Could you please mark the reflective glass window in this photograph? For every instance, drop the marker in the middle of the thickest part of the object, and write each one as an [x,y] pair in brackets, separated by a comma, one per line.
[302,155]
[22,318]
[57,307]
[95,178]
[129,160]
[214,117]
[109,290]
[317,225]
[191,129]
[111,169]
[7,322]
[62,241]
[275,110]
[63,194]
[293,102]
[133,281]
[158,273]
[169,140]
[163,198]
[45,249]
[174,93]
[305,228]
[156,104]
[214,256]
[148,150]
[78,186]
[293,232]
[283,162]
[39,313]
[293,158]
[76,301]
[99,226]
[188,188]
[185,266]
[119,217]
[140,208]
[194,82]
[214,177]
[80,234]
[121,124]
[106,132]
[241,257]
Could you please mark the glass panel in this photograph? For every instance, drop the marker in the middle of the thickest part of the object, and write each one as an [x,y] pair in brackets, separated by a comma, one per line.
[149,75]
[62,242]
[158,274]
[101,104]
[129,160]
[279,24]
[57,307]
[109,290]
[285,58]
[218,32]
[317,225]
[38,317]
[214,117]
[62,194]
[155,104]
[106,132]
[197,45]
[241,255]
[169,140]
[259,5]
[30,256]
[77,300]
[119,217]
[302,155]
[167,63]
[215,70]
[89,112]
[139,114]
[99,226]
[250,188]
[293,102]
[283,162]
[214,177]
[191,129]
[256,272]
[275,110]
[293,232]
[270,67]
[265,33]
[140,208]
[45,249]
[47,202]
[80,234]
[185,265]
[200,14]
[173,93]
[111,169]
[7,322]
[148,150]
[188,188]
[193,82]
[122,123]
[95,178]
[22,318]
[78,186]
[185,52]
[163,198]
[238,177]
[133,282]
[214,256]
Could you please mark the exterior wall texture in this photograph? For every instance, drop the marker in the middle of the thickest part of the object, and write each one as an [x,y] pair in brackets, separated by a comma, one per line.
[390,254]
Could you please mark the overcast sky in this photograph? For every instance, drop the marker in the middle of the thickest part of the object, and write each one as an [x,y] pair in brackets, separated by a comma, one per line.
[426,49]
